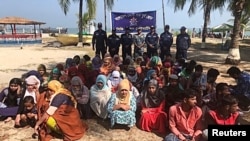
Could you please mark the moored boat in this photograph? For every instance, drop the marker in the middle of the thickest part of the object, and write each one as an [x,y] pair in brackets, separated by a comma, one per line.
[72,39]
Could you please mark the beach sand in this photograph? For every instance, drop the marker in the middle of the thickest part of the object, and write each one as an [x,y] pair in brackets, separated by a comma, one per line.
[15,61]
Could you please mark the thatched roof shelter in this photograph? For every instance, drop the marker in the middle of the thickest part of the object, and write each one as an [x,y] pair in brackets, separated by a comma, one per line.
[19,21]
[13,21]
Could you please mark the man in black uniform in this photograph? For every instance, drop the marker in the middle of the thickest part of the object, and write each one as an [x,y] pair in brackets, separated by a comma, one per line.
[166,41]
[113,43]
[152,40]
[99,41]
[183,42]
[126,41]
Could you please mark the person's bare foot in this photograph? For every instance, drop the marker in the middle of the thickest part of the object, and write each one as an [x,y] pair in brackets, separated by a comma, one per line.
[8,119]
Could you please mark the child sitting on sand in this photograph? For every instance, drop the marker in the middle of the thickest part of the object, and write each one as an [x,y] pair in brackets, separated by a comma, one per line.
[29,115]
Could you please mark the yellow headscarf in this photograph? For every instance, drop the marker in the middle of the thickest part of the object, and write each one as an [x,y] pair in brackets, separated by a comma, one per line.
[58,88]
[124,84]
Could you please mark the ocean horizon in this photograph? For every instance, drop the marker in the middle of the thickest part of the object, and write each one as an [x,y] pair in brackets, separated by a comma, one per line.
[174,31]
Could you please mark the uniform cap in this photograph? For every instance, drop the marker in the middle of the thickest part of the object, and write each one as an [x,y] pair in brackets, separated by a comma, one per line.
[127,28]
[183,28]
[167,26]
[152,27]
[99,24]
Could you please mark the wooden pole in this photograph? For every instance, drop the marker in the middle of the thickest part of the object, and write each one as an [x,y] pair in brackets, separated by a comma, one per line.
[105,16]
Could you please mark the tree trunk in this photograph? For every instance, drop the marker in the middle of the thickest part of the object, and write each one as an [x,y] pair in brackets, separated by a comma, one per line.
[234,52]
[207,11]
[80,24]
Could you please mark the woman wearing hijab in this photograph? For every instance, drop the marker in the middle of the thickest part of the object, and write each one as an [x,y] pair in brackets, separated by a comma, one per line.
[134,78]
[55,74]
[153,117]
[151,74]
[61,117]
[9,99]
[155,63]
[32,85]
[96,62]
[122,106]
[100,94]
[114,81]
[117,60]
[107,66]
[81,93]
[44,74]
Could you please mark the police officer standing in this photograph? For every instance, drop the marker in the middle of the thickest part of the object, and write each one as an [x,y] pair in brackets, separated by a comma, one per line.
[113,43]
[126,41]
[139,43]
[152,40]
[99,41]
[183,42]
[166,41]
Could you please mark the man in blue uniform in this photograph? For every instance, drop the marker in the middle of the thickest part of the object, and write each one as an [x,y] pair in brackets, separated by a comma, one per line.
[166,41]
[183,43]
[113,43]
[126,41]
[99,41]
[152,40]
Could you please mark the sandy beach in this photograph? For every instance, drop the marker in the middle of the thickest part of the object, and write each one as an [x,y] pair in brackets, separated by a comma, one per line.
[15,61]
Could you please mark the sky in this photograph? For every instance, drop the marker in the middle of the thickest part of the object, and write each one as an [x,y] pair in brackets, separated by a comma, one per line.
[50,12]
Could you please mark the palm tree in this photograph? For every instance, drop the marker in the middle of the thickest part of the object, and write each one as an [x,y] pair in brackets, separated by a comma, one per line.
[91,8]
[245,23]
[207,5]
[85,20]
[237,7]
[108,4]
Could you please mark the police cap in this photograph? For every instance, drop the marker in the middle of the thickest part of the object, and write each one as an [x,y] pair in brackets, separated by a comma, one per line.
[99,24]
[167,26]
[127,28]
[152,27]
[183,28]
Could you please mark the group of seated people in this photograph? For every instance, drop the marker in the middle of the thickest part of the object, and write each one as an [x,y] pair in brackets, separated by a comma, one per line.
[175,99]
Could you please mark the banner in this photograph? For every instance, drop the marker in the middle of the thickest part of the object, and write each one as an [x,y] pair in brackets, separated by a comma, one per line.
[133,20]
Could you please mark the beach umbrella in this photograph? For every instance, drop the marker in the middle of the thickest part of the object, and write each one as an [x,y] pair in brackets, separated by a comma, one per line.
[222,27]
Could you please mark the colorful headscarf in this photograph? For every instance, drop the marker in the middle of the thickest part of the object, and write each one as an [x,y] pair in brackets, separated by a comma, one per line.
[103,79]
[117,60]
[108,68]
[58,88]
[124,84]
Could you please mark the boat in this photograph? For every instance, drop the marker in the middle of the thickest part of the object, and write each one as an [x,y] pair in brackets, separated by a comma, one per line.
[72,39]
[58,30]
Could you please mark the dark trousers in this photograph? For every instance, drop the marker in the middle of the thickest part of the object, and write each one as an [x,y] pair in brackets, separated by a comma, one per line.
[125,52]
[113,52]
[164,52]
[151,52]
[181,54]
[100,50]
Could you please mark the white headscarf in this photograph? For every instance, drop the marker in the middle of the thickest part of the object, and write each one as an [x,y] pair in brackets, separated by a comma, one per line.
[32,80]
[115,78]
